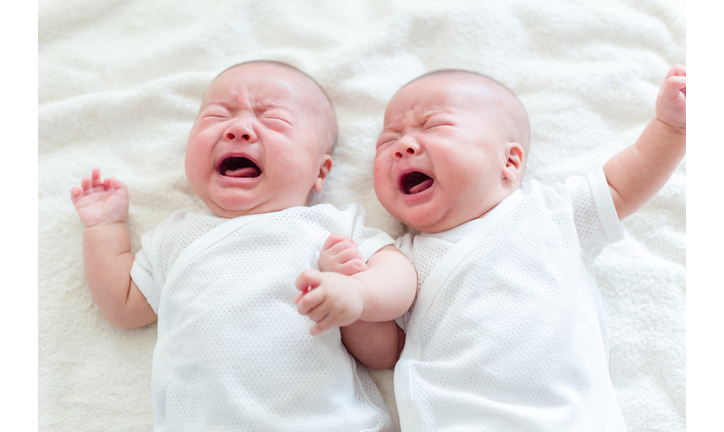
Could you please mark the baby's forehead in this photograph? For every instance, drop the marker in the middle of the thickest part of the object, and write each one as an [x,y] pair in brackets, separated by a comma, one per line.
[444,92]
[266,85]
[264,82]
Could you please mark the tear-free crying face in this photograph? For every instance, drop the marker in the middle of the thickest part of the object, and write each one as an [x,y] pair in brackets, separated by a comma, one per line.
[238,167]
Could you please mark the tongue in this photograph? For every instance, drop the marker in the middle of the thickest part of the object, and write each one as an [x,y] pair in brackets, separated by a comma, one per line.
[242,172]
[421,186]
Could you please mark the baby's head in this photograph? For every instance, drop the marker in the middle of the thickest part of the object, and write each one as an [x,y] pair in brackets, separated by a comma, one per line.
[261,141]
[454,145]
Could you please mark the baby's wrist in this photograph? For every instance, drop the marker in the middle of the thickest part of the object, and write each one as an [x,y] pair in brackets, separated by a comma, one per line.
[679,129]
[104,225]
[362,293]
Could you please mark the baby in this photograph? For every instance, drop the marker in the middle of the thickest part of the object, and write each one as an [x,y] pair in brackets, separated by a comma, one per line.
[507,331]
[233,352]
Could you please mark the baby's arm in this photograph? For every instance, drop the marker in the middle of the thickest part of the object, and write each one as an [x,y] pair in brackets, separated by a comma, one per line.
[374,344]
[636,173]
[103,207]
[340,254]
[382,292]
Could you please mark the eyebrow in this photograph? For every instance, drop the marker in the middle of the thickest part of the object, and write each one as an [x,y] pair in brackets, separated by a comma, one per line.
[422,118]
[266,104]
[427,114]
[263,105]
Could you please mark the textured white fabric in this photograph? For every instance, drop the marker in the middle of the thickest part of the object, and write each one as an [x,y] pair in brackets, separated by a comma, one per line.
[507,332]
[233,353]
[120,83]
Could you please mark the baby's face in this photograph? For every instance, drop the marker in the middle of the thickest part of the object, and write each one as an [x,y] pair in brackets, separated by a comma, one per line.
[259,143]
[441,155]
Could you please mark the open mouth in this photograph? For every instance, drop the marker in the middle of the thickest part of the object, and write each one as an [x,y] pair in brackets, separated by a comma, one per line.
[415,182]
[239,167]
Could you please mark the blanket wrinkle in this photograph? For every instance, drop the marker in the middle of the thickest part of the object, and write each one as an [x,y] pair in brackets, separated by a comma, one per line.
[120,82]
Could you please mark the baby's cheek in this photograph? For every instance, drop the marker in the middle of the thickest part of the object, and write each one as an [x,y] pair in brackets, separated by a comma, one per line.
[380,180]
[380,171]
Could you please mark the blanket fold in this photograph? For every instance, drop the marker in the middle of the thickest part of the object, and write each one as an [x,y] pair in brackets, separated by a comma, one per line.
[120,84]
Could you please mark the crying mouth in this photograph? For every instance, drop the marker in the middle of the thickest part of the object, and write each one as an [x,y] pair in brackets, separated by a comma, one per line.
[239,167]
[415,182]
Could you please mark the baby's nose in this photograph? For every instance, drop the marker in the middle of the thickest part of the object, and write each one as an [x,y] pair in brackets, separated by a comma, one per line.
[407,145]
[231,136]
[409,150]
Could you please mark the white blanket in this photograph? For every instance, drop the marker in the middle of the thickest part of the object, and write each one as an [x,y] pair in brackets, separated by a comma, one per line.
[120,83]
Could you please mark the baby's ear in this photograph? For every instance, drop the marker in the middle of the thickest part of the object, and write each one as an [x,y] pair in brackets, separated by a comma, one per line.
[514,164]
[323,173]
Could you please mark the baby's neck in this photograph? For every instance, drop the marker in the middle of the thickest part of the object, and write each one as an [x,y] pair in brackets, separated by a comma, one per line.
[464,220]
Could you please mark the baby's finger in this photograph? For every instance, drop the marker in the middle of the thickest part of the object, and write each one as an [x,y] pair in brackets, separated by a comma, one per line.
[318,329]
[96,177]
[76,193]
[674,87]
[676,70]
[323,310]
[342,246]
[349,254]
[85,184]
[297,298]
[310,301]
[353,266]
[327,323]
[335,238]
[308,279]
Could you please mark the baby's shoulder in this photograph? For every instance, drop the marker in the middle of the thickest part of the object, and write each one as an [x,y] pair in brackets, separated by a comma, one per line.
[183,224]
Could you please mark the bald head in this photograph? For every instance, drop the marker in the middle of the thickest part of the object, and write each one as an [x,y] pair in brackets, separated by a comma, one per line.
[489,91]
[327,119]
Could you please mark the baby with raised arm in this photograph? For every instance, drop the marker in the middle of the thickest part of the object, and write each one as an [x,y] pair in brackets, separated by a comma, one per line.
[233,351]
[507,330]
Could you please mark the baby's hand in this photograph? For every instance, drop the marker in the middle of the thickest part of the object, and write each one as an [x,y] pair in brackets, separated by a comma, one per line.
[340,254]
[100,201]
[671,102]
[328,299]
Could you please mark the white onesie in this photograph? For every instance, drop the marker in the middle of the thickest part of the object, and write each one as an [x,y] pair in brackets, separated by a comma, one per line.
[233,353]
[507,331]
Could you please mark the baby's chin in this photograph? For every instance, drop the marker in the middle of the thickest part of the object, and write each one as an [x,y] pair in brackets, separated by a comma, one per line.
[232,208]
[426,225]
[436,223]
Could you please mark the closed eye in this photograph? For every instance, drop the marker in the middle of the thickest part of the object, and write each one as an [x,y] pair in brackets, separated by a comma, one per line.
[276,123]
[278,119]
[386,139]
[433,125]
[438,120]
[274,116]
[215,113]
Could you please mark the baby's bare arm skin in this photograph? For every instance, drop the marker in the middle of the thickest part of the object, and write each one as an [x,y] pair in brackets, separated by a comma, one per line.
[103,207]
[374,344]
[384,291]
[639,171]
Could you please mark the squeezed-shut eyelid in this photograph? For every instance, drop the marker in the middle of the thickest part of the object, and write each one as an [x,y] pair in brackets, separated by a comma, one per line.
[380,143]
[212,116]
[276,118]
[434,125]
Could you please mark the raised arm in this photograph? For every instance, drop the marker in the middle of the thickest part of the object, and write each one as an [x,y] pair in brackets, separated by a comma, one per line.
[640,170]
[103,208]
